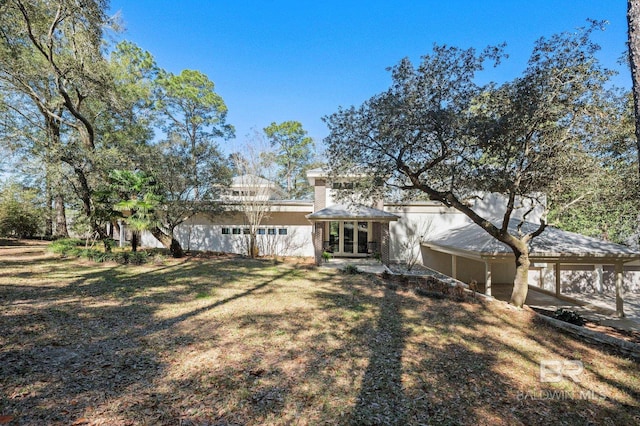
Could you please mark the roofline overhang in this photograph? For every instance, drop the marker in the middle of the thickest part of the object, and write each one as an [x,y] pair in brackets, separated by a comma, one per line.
[537,257]
[352,218]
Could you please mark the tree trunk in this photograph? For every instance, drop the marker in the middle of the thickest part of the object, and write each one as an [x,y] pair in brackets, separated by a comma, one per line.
[253,246]
[175,248]
[168,241]
[633,21]
[134,241]
[48,226]
[521,281]
[61,217]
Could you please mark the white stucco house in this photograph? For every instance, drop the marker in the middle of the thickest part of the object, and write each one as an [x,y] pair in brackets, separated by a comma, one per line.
[440,238]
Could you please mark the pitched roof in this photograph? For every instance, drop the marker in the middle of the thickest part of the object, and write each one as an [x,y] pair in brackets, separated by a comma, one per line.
[552,243]
[250,180]
[351,212]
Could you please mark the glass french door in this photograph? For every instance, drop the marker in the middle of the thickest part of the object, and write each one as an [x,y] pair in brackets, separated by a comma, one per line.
[363,237]
[349,238]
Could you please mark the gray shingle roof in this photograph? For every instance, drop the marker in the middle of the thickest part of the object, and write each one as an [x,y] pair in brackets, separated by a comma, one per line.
[552,242]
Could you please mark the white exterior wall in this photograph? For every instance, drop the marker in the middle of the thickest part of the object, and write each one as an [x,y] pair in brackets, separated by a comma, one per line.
[417,222]
[201,233]
[492,205]
[582,278]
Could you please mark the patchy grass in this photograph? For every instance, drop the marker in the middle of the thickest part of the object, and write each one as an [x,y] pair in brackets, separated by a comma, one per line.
[232,341]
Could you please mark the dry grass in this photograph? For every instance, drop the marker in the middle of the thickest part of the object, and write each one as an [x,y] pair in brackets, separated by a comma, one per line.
[231,341]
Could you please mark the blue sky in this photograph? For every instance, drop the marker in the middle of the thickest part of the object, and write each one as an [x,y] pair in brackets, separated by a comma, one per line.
[275,60]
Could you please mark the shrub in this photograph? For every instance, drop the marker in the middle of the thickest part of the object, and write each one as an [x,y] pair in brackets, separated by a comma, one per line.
[158,258]
[73,247]
[138,257]
[121,257]
[569,316]
[100,257]
[351,269]
[65,246]
[20,216]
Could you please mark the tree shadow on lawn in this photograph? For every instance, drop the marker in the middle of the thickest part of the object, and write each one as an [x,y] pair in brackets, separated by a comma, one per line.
[457,363]
[348,351]
[13,242]
[84,342]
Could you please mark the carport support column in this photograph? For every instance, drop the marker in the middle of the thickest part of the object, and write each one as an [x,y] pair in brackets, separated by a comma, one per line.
[557,273]
[121,227]
[619,299]
[487,278]
[454,266]
[599,278]
[384,243]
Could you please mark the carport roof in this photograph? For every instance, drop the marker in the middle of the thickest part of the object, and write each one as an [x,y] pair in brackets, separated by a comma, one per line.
[553,244]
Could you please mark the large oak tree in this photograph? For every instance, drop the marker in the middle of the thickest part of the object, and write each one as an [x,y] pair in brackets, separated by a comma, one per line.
[439,132]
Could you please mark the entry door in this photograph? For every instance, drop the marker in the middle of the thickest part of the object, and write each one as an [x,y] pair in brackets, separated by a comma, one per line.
[349,237]
[363,237]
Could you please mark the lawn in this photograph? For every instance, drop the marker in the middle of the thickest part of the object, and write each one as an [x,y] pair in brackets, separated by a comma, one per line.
[234,341]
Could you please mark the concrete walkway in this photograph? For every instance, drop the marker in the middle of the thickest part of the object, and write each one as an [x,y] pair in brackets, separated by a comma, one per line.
[597,309]
[364,264]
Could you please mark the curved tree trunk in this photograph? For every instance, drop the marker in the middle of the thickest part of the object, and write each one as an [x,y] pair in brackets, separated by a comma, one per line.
[168,241]
[521,280]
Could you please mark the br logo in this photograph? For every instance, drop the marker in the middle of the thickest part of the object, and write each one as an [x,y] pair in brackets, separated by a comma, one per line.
[556,370]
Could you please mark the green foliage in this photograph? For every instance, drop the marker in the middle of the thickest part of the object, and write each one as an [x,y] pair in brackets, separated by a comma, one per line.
[294,154]
[20,216]
[569,316]
[601,200]
[137,196]
[350,269]
[194,117]
[65,245]
[326,256]
[138,258]
[438,131]
[73,247]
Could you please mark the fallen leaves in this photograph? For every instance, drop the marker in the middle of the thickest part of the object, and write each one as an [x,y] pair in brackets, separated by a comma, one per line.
[102,345]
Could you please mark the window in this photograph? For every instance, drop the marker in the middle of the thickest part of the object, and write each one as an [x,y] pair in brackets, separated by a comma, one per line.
[282,231]
[343,185]
[226,231]
[245,231]
[262,231]
[243,193]
[272,231]
[236,231]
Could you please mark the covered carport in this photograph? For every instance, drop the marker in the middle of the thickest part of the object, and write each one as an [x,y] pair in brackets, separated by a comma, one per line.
[470,253]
